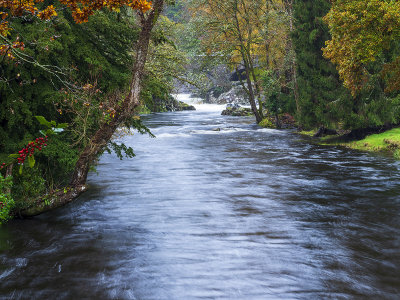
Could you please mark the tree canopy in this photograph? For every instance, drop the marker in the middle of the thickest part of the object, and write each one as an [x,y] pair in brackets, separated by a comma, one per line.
[361,31]
[81,10]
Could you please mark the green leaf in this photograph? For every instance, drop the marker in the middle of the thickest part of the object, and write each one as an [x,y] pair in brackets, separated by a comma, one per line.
[20,169]
[42,120]
[31,161]
[62,125]
[13,156]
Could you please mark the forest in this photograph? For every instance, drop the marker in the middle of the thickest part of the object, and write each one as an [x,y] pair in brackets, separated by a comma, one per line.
[199,149]
[73,73]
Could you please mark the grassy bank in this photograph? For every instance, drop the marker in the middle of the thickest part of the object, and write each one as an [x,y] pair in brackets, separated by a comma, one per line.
[386,142]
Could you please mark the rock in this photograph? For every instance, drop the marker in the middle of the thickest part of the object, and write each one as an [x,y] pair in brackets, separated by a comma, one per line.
[235,75]
[235,95]
[237,112]
[185,106]
[233,105]
[171,104]
[212,94]
[325,131]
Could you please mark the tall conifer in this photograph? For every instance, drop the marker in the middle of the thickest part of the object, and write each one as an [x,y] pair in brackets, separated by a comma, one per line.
[318,81]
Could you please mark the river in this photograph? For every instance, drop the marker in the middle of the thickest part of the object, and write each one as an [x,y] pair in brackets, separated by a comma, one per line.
[215,207]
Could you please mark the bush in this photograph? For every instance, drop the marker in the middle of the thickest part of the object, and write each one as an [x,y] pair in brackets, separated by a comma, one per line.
[27,187]
[6,202]
[267,123]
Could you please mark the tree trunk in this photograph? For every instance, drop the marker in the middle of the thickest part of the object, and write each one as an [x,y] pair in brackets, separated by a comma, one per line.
[103,135]
[289,8]
[251,95]
[250,90]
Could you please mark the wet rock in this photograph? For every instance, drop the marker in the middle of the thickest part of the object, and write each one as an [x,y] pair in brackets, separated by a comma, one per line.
[237,111]
[185,106]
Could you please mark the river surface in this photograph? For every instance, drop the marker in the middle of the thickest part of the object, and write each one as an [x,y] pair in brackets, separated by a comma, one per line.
[216,208]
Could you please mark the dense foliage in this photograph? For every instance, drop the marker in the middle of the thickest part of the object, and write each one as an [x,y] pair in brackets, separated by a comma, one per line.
[6,201]
[365,46]
[94,61]
[319,85]
[70,72]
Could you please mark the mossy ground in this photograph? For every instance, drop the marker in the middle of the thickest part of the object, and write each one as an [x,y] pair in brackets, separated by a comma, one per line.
[385,142]
[388,141]
[308,133]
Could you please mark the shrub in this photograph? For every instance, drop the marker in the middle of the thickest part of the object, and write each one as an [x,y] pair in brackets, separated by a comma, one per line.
[6,202]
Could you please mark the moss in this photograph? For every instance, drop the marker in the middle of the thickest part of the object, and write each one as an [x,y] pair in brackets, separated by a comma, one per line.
[385,142]
[267,123]
[388,141]
[237,112]
[143,110]
[308,133]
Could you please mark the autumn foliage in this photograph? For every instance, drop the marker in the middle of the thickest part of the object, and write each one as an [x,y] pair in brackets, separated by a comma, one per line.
[361,31]
[81,11]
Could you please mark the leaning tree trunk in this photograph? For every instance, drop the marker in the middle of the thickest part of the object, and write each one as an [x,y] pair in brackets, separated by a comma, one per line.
[103,135]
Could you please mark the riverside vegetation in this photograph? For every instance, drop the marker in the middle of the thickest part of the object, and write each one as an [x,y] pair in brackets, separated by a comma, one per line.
[73,72]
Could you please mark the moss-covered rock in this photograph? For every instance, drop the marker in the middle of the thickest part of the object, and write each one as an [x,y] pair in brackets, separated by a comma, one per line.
[170,104]
[237,111]
[185,106]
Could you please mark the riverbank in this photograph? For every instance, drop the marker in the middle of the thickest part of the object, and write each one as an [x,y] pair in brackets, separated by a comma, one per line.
[387,142]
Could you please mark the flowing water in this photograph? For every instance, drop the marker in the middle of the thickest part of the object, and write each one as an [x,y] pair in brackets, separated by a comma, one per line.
[216,208]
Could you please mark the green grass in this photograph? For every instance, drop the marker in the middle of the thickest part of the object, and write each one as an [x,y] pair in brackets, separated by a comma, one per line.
[308,133]
[385,142]
[388,141]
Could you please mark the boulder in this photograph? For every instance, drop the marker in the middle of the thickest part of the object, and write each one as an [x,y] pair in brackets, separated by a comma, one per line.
[185,106]
[237,111]
[235,75]
[236,95]
[325,131]
[170,104]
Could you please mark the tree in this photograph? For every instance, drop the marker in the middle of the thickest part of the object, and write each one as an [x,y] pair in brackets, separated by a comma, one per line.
[81,10]
[123,109]
[365,46]
[280,59]
[95,59]
[318,81]
[361,32]
[232,29]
